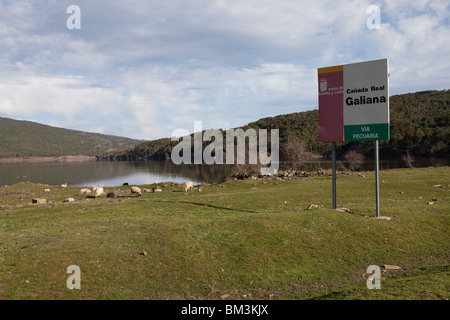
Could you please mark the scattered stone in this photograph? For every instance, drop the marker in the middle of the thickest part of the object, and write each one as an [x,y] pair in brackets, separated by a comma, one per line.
[69,200]
[362,175]
[224,296]
[39,201]
[430,203]
[312,206]
[383,218]
[46,190]
[64,185]
[321,172]
[343,209]
[143,253]
[438,186]
[390,267]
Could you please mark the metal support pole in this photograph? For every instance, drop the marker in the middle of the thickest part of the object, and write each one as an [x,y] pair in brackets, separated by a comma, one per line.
[334,173]
[377,179]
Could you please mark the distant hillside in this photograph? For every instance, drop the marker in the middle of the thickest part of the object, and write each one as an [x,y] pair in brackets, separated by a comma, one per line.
[30,139]
[420,124]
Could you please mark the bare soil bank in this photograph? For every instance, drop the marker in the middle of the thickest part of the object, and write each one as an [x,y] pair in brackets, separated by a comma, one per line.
[78,158]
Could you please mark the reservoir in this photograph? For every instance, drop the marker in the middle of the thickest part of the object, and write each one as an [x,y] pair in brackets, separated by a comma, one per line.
[115,173]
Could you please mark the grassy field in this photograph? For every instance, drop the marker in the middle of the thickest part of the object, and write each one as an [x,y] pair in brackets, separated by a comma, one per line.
[246,239]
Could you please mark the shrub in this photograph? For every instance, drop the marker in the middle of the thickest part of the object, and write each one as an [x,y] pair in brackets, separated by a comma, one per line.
[354,160]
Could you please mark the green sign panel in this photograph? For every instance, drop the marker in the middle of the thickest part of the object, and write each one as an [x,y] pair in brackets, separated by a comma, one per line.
[379,131]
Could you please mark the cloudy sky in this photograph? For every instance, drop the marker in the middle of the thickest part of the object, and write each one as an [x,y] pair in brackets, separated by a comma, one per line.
[142,69]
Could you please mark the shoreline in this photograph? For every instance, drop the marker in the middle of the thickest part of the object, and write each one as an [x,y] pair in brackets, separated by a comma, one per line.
[48,159]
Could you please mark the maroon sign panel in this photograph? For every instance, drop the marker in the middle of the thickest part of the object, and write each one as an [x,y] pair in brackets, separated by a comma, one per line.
[331,104]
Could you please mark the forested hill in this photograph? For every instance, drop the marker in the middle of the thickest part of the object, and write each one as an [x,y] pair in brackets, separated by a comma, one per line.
[27,139]
[420,124]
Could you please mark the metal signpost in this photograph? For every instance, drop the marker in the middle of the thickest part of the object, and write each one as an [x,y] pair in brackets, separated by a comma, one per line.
[354,106]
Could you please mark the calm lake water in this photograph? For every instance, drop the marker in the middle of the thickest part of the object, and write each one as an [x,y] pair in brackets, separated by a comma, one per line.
[108,174]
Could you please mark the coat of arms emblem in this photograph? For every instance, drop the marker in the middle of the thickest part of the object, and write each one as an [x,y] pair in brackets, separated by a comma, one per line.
[323,85]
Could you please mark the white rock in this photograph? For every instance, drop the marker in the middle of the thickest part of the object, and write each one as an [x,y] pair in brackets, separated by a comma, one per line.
[390,267]
[39,201]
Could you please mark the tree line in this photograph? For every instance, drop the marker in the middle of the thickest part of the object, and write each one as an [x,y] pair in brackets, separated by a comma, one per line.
[420,126]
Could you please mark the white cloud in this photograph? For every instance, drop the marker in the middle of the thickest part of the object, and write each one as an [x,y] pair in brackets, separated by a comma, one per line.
[143,68]
[416,42]
[59,96]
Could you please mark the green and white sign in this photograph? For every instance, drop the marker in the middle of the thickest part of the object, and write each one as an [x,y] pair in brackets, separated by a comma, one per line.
[366,101]
[354,106]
